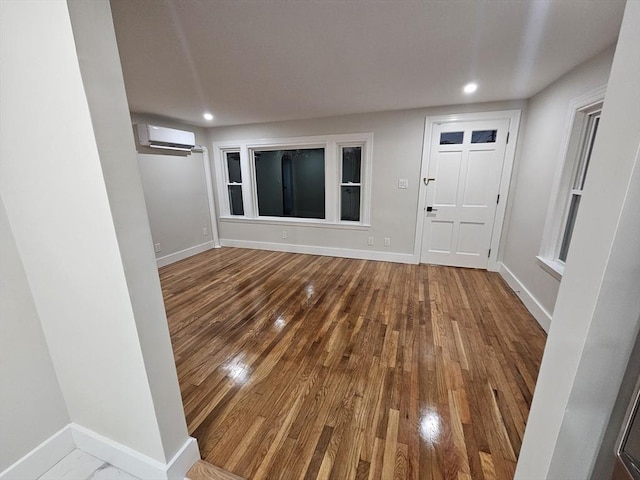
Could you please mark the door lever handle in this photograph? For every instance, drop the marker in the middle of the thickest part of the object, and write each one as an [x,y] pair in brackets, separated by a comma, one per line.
[431,209]
[427,180]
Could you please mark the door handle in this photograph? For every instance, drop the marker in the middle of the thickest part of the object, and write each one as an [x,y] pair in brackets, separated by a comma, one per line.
[427,180]
[431,209]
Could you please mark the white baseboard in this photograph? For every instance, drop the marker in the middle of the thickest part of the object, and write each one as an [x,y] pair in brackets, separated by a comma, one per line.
[326,251]
[35,463]
[55,448]
[535,308]
[182,254]
[182,461]
[134,462]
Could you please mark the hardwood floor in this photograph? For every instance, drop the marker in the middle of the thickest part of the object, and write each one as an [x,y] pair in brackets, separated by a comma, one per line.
[295,366]
[205,471]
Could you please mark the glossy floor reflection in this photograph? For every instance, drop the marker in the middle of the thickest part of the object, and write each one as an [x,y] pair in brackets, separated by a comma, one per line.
[295,366]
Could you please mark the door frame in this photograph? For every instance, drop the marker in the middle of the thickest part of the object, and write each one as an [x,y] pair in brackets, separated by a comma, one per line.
[505,179]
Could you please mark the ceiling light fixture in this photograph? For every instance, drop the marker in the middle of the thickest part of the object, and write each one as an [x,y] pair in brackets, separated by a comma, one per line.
[208,116]
[470,88]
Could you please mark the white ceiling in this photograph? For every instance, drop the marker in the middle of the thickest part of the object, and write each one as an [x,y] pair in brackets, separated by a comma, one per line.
[250,61]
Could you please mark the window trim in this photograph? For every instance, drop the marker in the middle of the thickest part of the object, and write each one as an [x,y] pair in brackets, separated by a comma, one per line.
[566,171]
[332,145]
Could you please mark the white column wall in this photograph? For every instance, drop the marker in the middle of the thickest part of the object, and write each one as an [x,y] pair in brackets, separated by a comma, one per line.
[595,323]
[57,204]
[101,72]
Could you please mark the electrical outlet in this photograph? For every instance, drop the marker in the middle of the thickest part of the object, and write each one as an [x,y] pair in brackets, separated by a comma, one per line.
[284,234]
[158,249]
[370,241]
[403,183]
[387,242]
[205,231]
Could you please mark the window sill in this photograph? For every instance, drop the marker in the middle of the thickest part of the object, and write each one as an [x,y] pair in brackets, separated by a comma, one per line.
[554,268]
[296,223]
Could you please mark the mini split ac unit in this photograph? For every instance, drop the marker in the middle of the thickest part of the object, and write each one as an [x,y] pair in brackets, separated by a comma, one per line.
[166,138]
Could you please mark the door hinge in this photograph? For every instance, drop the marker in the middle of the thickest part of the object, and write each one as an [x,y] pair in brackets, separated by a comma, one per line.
[489,254]
[498,199]
[508,133]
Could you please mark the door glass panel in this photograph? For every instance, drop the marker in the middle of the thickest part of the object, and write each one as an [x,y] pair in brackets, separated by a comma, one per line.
[451,138]
[233,166]
[351,161]
[350,203]
[235,200]
[484,136]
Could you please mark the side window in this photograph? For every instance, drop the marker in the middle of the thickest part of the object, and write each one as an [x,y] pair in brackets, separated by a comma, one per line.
[234,183]
[582,129]
[350,183]
[577,185]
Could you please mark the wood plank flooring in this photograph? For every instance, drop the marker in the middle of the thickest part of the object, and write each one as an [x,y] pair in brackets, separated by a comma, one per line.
[301,367]
[205,471]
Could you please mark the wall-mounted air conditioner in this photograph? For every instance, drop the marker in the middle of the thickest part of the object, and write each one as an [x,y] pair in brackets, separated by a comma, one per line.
[167,138]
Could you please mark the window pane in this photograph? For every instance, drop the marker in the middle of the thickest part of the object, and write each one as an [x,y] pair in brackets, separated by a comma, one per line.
[351,161]
[235,200]
[591,141]
[350,203]
[450,138]
[233,165]
[290,183]
[568,229]
[484,136]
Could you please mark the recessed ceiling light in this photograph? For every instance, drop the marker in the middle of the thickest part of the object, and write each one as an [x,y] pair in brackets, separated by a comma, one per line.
[470,87]
[208,116]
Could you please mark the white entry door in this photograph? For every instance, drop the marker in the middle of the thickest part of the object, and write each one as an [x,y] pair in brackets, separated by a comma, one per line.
[463,180]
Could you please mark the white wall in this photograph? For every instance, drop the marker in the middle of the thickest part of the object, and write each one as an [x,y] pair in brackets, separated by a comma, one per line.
[103,82]
[175,192]
[31,405]
[89,270]
[176,196]
[397,153]
[595,323]
[536,167]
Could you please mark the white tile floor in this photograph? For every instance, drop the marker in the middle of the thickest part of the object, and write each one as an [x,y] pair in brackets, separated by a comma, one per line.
[82,466]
